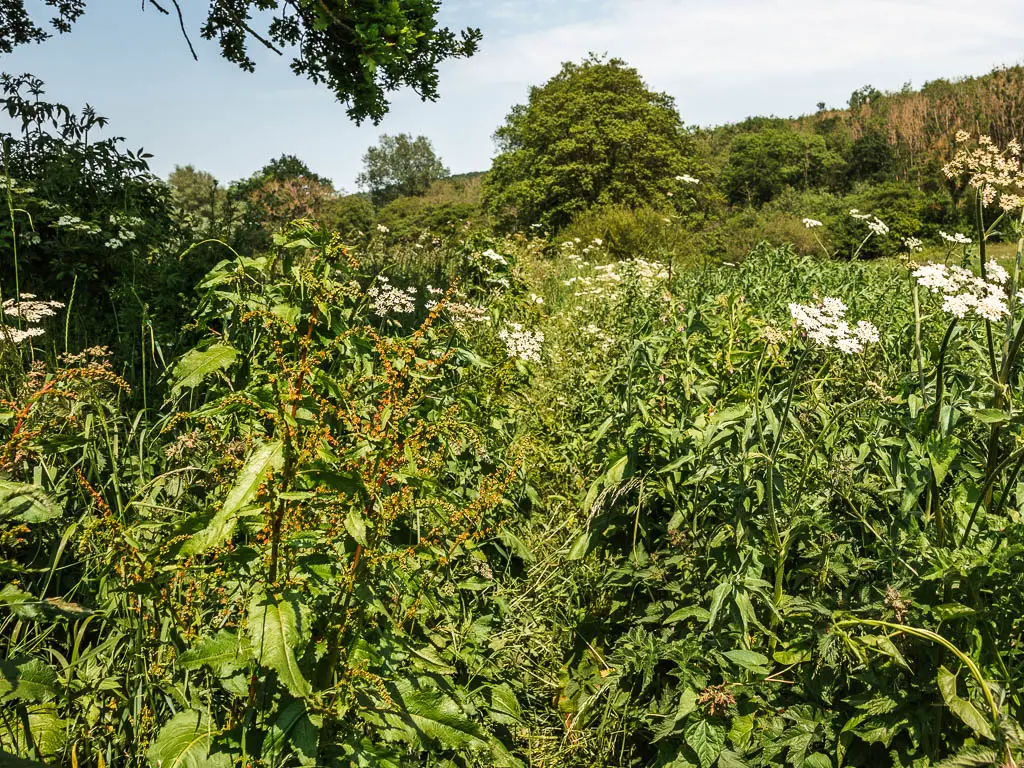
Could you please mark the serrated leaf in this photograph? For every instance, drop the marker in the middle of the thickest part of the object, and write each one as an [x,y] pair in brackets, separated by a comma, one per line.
[278,625]
[265,459]
[504,705]
[962,708]
[26,503]
[224,653]
[185,741]
[195,365]
[817,760]
[707,740]
[23,604]
[438,716]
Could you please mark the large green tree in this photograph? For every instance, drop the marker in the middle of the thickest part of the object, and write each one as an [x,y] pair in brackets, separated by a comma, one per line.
[400,166]
[359,49]
[763,163]
[594,134]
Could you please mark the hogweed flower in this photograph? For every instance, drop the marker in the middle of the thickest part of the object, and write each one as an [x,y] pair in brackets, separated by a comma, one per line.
[877,226]
[387,299]
[913,244]
[963,292]
[956,238]
[522,344]
[29,308]
[687,179]
[997,174]
[811,223]
[825,324]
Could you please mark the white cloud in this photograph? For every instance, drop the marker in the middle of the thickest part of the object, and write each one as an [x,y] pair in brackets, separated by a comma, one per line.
[678,43]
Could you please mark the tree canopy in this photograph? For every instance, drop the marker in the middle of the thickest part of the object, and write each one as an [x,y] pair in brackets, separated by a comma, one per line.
[400,166]
[359,50]
[592,135]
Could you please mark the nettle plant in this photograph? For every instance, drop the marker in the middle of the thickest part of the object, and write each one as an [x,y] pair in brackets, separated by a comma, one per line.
[306,575]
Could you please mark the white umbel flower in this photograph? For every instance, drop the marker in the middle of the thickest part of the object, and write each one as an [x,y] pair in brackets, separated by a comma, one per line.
[388,300]
[825,325]
[521,343]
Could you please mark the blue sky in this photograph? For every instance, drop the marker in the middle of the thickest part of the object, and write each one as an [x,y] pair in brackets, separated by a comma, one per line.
[722,60]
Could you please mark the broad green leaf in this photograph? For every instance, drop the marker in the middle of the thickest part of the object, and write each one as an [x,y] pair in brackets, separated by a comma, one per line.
[48,732]
[195,365]
[689,612]
[941,454]
[185,741]
[948,611]
[265,459]
[817,760]
[438,716]
[707,740]
[751,660]
[729,759]
[580,546]
[504,705]
[28,680]
[224,653]
[356,526]
[741,730]
[294,732]
[962,708]
[791,656]
[26,503]
[990,415]
[23,604]
[278,625]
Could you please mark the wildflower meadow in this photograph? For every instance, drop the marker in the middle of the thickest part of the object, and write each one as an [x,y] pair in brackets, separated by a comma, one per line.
[386,484]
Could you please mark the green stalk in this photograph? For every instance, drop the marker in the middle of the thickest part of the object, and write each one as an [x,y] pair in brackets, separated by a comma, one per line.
[781,547]
[927,634]
[917,345]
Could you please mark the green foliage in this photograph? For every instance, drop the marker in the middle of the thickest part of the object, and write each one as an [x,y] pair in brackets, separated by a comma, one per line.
[89,224]
[360,52]
[592,135]
[400,166]
[626,232]
[763,163]
[305,538]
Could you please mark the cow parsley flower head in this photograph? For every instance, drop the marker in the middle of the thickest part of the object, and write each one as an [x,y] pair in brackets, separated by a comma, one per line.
[687,179]
[522,344]
[912,244]
[811,223]
[825,324]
